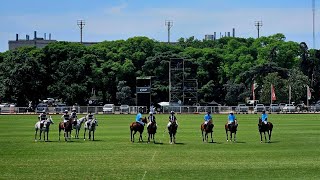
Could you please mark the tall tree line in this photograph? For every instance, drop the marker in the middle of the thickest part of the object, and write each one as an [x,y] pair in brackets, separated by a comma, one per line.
[225,69]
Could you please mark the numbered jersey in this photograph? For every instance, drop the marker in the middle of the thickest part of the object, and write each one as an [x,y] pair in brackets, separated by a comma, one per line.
[66,117]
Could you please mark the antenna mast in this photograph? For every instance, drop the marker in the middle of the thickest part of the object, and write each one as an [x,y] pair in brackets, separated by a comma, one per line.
[258,24]
[81,24]
[169,24]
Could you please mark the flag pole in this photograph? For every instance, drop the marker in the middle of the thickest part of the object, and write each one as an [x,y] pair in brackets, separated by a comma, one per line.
[307,96]
[271,95]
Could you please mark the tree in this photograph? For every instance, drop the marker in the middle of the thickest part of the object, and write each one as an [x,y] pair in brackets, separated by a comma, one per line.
[124,93]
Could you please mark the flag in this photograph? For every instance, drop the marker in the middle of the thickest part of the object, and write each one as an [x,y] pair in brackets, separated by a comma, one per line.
[253,95]
[273,94]
[308,93]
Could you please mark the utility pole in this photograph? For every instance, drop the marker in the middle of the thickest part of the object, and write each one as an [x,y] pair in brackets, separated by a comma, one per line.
[81,24]
[258,24]
[313,22]
[169,24]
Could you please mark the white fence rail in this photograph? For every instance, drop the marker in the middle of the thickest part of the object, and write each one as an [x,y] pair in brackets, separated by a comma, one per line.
[144,109]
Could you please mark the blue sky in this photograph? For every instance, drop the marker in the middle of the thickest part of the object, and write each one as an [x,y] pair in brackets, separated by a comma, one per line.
[121,19]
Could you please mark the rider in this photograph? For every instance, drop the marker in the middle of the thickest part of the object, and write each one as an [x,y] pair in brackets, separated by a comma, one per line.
[74,114]
[89,118]
[172,118]
[264,117]
[42,117]
[139,118]
[207,119]
[231,118]
[65,117]
[152,119]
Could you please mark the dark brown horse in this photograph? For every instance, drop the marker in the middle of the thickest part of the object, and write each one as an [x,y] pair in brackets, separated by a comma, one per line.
[172,132]
[205,130]
[152,130]
[135,126]
[67,129]
[232,128]
[263,128]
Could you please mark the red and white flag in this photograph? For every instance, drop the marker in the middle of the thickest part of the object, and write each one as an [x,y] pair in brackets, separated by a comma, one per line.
[308,93]
[273,94]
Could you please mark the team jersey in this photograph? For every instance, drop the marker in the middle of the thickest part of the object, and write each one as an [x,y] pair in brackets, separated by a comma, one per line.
[66,117]
[73,114]
[207,117]
[172,118]
[231,118]
[138,117]
[264,117]
[43,117]
[152,118]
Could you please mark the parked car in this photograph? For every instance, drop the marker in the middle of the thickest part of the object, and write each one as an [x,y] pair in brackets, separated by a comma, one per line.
[259,108]
[42,107]
[124,109]
[289,108]
[274,108]
[281,105]
[242,108]
[108,108]
[60,108]
[315,107]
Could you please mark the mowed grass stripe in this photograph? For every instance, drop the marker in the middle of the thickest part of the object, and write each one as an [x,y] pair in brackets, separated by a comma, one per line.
[293,152]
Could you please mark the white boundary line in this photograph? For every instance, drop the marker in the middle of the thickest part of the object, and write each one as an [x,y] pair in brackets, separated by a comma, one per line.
[145,172]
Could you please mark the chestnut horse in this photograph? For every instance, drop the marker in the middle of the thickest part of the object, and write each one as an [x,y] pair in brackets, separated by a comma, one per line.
[172,132]
[152,130]
[135,126]
[233,130]
[206,130]
[67,129]
[263,128]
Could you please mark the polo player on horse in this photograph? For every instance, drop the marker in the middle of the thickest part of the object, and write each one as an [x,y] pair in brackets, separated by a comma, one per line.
[172,118]
[207,119]
[65,118]
[152,120]
[89,118]
[232,120]
[42,118]
[139,118]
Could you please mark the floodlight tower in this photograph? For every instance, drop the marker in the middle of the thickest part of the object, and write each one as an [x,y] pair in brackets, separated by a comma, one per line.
[258,24]
[81,24]
[169,25]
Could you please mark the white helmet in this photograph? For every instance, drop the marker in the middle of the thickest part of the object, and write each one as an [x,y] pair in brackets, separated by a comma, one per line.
[231,112]
[150,113]
[172,112]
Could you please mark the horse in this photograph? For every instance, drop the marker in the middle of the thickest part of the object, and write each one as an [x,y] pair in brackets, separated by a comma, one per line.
[263,128]
[91,127]
[206,130]
[152,130]
[233,129]
[43,128]
[67,129]
[172,132]
[77,125]
[135,126]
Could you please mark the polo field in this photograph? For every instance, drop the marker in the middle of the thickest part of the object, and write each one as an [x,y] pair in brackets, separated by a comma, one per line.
[293,153]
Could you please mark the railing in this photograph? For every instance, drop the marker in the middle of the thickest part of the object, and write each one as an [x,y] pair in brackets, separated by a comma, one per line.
[144,110]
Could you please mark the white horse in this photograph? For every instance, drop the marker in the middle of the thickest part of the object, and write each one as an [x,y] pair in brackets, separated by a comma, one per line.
[77,125]
[91,128]
[43,128]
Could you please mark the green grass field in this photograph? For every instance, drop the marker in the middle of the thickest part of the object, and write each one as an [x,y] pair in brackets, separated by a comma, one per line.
[294,152]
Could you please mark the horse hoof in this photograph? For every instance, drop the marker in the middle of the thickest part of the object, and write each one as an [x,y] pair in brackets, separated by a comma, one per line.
[227,140]
[84,139]
[35,140]
[260,141]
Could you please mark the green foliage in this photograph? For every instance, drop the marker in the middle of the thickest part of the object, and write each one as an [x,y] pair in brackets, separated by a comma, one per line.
[69,71]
